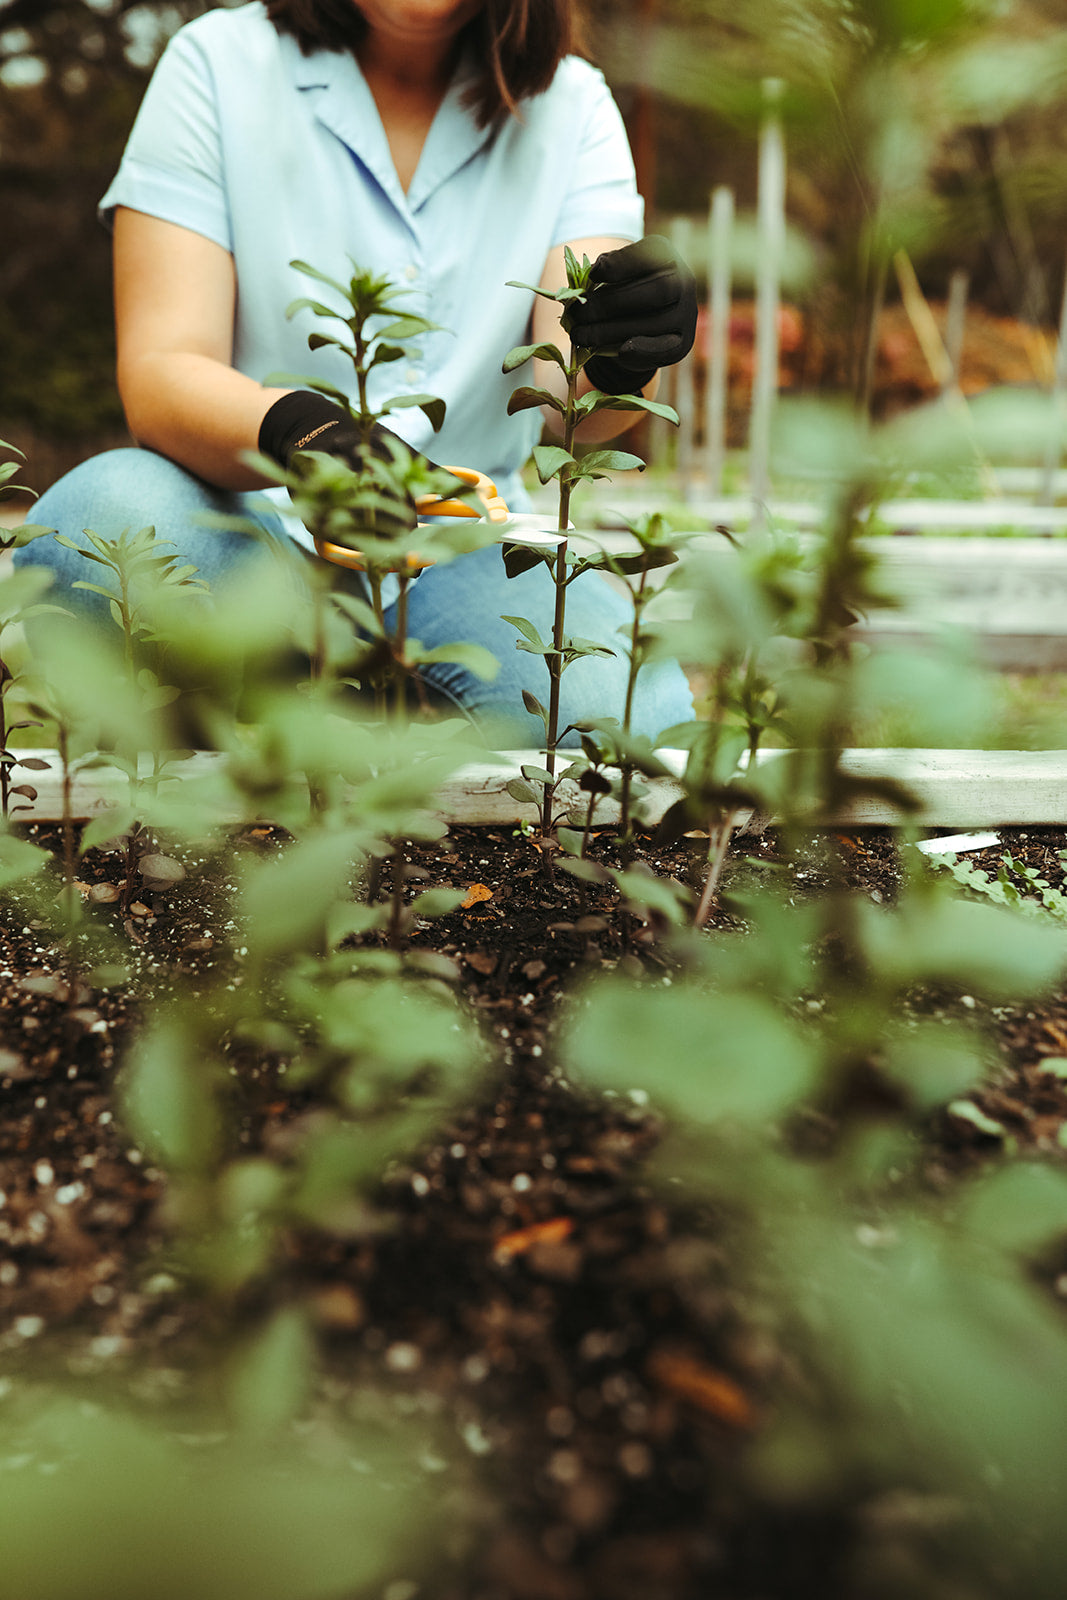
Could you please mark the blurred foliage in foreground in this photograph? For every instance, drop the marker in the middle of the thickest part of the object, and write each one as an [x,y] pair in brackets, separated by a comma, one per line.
[920,1394]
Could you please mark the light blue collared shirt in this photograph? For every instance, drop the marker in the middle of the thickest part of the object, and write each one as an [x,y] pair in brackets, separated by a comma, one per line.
[279,156]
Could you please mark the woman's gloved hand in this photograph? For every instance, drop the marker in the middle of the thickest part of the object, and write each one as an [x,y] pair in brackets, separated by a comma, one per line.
[304,420]
[642,308]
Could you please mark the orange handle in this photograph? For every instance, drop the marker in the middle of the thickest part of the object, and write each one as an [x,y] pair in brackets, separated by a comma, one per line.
[493,508]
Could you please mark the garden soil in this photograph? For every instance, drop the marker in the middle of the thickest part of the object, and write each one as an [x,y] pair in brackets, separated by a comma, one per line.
[525,1285]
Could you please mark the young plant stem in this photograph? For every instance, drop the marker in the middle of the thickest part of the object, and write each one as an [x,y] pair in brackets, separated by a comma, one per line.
[718,843]
[67,812]
[555,660]
[588,827]
[626,769]
[5,765]
[395,933]
[380,679]
[398,644]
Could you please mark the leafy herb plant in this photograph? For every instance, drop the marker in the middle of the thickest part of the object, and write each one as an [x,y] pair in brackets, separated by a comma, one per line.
[559,462]
[362,514]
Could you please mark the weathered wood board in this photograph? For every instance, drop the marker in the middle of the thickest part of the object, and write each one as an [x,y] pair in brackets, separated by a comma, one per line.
[953,788]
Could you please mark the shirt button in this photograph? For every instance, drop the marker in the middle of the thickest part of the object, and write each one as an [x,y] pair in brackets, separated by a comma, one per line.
[412,375]
[411,273]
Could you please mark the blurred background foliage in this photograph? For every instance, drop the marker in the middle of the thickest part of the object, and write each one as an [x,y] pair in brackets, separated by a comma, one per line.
[933,126]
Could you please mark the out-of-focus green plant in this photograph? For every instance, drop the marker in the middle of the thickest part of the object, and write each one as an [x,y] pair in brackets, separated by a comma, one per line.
[796,1096]
[143,567]
[373,1033]
[229,1503]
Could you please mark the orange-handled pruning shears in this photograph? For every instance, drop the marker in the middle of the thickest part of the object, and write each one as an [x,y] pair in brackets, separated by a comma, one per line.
[493,509]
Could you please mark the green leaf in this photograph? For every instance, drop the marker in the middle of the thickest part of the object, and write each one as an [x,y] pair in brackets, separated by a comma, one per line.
[1022,1208]
[169,1099]
[525,398]
[732,1057]
[475,657]
[28,532]
[646,892]
[19,859]
[558,296]
[520,558]
[535,774]
[316,306]
[527,352]
[967,1111]
[987,949]
[320,277]
[438,902]
[271,1376]
[111,824]
[550,459]
[528,631]
[284,903]
[429,404]
[522,792]
[611,461]
[592,402]
[318,341]
[933,1063]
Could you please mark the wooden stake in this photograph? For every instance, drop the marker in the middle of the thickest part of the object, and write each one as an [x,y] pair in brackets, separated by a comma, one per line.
[1054,448]
[685,394]
[955,321]
[720,228]
[768,277]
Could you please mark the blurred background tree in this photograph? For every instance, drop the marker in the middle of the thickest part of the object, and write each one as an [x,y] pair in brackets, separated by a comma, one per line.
[72,73]
[930,126]
[934,127]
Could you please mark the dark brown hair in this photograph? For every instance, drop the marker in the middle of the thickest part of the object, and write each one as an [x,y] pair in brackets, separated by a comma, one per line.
[520,43]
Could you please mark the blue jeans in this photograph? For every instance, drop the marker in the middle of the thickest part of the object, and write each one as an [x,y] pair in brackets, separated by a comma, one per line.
[462,601]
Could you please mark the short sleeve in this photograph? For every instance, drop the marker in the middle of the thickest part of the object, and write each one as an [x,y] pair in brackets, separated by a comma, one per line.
[601,198]
[172,167]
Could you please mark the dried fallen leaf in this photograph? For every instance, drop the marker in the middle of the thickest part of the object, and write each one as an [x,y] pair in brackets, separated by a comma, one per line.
[476,892]
[552,1231]
[702,1386]
[481,961]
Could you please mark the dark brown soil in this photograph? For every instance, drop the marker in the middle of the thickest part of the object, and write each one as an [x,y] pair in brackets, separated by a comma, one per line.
[527,1282]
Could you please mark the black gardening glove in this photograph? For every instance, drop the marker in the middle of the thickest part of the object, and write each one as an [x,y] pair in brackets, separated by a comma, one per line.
[305,420]
[641,306]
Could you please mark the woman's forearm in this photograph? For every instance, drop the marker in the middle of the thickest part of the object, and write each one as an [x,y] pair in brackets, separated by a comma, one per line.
[197,411]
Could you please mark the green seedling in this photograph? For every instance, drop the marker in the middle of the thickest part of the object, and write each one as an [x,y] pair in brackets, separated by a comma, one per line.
[658,546]
[559,463]
[368,509]
[1014,884]
[143,568]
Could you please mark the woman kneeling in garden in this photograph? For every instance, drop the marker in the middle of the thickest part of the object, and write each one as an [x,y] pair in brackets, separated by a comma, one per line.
[448,145]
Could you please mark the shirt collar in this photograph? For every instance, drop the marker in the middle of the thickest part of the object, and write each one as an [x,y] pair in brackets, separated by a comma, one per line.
[343,103]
